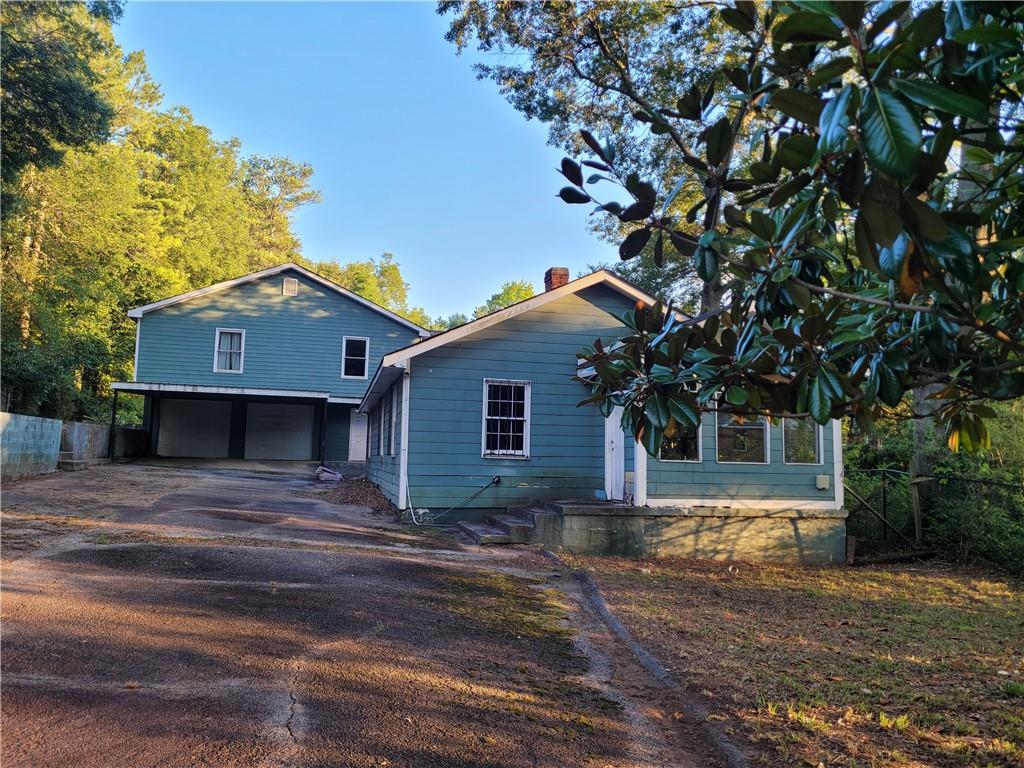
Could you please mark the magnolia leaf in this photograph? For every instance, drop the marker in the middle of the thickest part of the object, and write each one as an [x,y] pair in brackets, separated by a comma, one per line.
[736,20]
[834,124]
[805,27]
[798,104]
[573,195]
[682,242]
[829,71]
[891,258]
[634,243]
[719,141]
[705,261]
[736,396]
[935,96]
[819,400]
[571,170]
[797,152]
[926,219]
[892,136]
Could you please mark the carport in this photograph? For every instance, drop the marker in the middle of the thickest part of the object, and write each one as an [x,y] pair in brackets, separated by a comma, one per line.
[187,421]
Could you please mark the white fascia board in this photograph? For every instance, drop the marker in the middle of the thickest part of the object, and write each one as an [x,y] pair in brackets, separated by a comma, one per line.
[140,387]
[382,380]
[138,312]
[439,340]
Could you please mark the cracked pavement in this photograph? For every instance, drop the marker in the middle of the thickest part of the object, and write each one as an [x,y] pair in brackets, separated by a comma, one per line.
[160,616]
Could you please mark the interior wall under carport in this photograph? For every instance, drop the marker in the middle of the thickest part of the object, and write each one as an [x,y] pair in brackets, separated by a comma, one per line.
[329,428]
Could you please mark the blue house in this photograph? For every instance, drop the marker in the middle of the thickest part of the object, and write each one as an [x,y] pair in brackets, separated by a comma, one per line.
[478,423]
[268,366]
[483,419]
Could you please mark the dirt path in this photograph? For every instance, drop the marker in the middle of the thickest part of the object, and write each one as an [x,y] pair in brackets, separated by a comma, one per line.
[156,616]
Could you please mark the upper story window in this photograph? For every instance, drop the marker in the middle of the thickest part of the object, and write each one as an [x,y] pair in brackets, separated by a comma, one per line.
[355,357]
[742,440]
[229,350]
[801,441]
[290,287]
[683,445]
[506,422]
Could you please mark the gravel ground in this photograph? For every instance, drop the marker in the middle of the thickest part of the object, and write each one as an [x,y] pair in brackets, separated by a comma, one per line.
[190,617]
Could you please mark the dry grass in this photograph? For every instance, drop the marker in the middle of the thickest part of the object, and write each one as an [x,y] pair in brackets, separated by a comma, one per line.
[884,666]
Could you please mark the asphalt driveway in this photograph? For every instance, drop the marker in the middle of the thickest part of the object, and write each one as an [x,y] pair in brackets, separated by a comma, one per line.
[186,617]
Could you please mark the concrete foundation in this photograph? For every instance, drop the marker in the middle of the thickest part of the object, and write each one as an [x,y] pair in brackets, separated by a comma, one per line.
[804,537]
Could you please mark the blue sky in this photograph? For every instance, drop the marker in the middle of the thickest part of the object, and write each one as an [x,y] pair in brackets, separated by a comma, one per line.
[413,154]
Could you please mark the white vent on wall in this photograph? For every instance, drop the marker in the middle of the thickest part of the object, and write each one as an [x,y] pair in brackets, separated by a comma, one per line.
[290,287]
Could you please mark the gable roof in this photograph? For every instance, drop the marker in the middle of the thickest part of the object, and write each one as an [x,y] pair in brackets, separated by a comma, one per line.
[397,358]
[138,312]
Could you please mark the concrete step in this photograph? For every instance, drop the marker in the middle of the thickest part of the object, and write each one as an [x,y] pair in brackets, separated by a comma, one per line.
[485,534]
[517,528]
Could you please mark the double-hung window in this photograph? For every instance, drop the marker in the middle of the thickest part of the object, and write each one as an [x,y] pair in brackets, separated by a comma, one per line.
[742,440]
[229,350]
[506,419]
[355,356]
[801,441]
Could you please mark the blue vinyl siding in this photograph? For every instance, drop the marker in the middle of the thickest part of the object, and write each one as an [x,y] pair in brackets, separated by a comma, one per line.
[710,480]
[566,443]
[383,469]
[291,342]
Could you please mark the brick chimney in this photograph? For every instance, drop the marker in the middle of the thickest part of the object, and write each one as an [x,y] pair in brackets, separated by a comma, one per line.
[556,277]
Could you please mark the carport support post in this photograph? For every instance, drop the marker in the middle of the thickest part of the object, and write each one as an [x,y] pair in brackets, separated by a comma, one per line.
[112,438]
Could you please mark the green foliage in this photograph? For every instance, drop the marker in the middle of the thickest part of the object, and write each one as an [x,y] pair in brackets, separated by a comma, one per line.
[379,280]
[510,293]
[873,248]
[50,98]
[572,65]
[161,208]
[975,512]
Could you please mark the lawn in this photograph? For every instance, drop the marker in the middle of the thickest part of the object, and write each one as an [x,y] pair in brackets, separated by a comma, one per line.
[883,666]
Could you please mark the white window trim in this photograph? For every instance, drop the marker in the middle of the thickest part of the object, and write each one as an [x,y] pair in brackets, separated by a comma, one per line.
[700,449]
[484,453]
[216,349]
[767,445]
[290,282]
[821,447]
[366,360]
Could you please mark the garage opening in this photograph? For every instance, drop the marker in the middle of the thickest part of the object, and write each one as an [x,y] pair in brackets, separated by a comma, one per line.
[194,428]
[279,431]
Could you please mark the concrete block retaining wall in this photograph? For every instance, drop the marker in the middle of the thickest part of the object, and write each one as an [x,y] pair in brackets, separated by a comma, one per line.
[804,537]
[29,445]
[91,442]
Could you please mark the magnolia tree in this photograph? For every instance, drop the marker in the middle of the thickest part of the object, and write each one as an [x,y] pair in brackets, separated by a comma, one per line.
[860,226]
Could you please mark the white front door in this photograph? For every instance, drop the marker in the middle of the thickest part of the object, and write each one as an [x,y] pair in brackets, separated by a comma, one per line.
[614,456]
[357,436]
